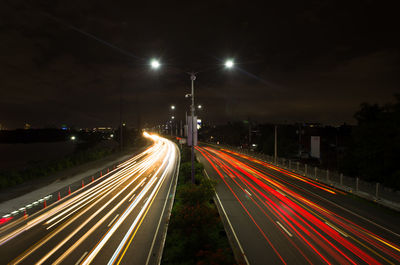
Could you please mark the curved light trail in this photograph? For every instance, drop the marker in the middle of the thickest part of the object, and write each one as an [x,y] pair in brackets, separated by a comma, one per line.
[97,216]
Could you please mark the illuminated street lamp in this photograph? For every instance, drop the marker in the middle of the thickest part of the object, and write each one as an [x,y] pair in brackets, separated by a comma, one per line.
[229,63]
[155,64]
[172,118]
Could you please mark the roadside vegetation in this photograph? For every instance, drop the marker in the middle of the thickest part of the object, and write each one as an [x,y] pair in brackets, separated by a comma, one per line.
[195,233]
[90,147]
[35,170]
[368,150]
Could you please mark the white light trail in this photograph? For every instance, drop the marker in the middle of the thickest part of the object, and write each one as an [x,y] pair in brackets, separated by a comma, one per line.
[104,240]
[147,202]
[161,155]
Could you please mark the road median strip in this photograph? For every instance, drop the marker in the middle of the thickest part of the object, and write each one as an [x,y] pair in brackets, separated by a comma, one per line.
[196,234]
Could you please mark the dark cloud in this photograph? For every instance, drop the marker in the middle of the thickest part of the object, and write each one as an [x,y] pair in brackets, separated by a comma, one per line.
[66,61]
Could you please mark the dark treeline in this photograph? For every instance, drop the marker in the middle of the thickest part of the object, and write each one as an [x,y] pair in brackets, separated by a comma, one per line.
[368,150]
[83,137]
[33,136]
[374,150]
[89,146]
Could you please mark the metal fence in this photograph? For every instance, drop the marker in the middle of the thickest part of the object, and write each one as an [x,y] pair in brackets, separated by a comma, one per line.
[372,191]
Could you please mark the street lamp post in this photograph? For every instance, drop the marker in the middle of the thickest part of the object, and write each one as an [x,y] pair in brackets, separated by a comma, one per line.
[276,144]
[228,64]
[192,78]
[172,119]
[172,124]
[155,64]
[120,115]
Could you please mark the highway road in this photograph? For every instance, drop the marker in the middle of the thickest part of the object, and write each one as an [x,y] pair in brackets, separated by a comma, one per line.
[278,217]
[117,219]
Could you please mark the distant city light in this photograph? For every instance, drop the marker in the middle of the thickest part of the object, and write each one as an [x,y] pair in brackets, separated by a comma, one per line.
[112,135]
[199,106]
[173,107]
[155,64]
[229,64]
[73,138]
[173,117]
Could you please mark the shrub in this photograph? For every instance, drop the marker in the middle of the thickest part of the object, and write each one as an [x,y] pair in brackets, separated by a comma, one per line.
[195,234]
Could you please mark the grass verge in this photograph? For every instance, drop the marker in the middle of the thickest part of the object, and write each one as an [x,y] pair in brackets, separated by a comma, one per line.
[196,234]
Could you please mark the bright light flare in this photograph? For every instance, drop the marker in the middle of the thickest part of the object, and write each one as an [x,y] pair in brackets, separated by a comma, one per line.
[229,64]
[155,64]
[154,137]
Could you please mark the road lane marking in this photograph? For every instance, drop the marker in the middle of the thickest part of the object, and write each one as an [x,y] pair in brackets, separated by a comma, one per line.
[343,208]
[125,243]
[230,224]
[162,214]
[133,196]
[336,229]
[81,205]
[93,228]
[281,193]
[138,220]
[49,236]
[284,229]
[112,220]
[79,260]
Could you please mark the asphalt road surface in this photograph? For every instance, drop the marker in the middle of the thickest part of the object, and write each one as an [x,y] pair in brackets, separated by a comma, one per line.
[279,217]
[117,219]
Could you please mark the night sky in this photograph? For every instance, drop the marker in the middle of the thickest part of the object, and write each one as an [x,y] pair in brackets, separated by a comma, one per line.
[65,62]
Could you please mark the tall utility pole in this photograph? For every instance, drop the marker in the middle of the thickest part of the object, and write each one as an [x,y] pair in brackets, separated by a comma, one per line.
[192,78]
[300,132]
[276,144]
[249,133]
[171,122]
[139,114]
[120,114]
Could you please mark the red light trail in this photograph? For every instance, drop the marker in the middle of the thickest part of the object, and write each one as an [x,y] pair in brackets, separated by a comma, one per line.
[332,238]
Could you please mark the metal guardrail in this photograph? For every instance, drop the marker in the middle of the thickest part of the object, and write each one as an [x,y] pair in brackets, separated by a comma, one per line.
[57,195]
[375,192]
